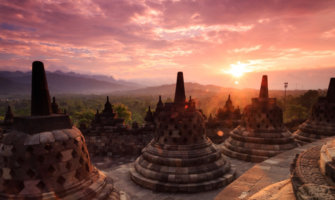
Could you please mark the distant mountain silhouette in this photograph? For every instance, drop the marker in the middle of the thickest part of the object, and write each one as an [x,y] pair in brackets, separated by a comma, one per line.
[169,89]
[60,82]
[72,83]
[197,90]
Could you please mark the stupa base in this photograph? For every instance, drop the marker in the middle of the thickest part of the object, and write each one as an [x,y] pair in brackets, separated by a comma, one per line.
[180,187]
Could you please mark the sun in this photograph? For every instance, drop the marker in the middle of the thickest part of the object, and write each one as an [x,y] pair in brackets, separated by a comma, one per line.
[238,69]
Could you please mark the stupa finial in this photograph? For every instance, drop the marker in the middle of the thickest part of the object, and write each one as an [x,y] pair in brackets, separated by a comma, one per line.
[264,91]
[331,89]
[40,98]
[180,89]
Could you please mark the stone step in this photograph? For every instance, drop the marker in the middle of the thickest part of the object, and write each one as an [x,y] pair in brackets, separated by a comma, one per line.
[180,169]
[258,152]
[264,146]
[182,187]
[243,156]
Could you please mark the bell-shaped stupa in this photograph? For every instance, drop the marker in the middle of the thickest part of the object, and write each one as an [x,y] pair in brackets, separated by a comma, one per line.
[45,157]
[321,122]
[181,158]
[261,133]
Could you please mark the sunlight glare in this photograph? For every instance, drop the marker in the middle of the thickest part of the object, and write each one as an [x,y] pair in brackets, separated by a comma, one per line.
[237,70]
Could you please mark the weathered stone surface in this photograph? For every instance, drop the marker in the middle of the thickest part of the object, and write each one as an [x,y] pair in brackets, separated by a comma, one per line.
[46,137]
[327,160]
[321,122]
[277,191]
[261,133]
[307,180]
[36,124]
[60,135]
[312,173]
[181,158]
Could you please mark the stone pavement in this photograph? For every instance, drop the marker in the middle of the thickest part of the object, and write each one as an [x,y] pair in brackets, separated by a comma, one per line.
[264,174]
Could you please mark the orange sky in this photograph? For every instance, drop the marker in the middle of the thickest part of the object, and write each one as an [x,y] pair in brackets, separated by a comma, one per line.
[148,41]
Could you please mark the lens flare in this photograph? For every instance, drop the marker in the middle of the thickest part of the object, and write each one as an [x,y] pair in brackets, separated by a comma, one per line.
[220,133]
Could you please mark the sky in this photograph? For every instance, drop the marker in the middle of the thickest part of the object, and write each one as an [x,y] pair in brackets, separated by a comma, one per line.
[230,43]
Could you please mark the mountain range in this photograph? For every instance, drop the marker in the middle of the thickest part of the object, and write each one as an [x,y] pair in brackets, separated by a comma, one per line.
[16,83]
[63,82]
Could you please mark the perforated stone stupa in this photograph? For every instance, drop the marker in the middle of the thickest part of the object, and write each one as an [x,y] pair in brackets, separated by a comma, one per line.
[228,114]
[181,158]
[44,157]
[261,133]
[106,122]
[321,122]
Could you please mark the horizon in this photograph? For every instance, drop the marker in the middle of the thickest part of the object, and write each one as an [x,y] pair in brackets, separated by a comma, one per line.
[229,44]
[254,76]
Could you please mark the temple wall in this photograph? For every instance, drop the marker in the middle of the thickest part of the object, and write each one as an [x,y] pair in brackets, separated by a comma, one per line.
[125,143]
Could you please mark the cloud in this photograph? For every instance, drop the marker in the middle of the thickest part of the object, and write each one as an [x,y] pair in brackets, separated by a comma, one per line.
[247,49]
[145,38]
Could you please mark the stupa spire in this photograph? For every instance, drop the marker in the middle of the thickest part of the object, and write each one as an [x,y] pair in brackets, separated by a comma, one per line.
[9,116]
[331,89]
[264,91]
[160,103]
[40,98]
[54,106]
[108,106]
[180,89]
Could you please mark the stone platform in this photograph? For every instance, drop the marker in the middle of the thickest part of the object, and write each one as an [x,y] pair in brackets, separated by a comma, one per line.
[264,174]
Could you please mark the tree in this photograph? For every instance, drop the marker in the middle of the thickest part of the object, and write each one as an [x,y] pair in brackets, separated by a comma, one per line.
[309,98]
[83,117]
[295,112]
[122,111]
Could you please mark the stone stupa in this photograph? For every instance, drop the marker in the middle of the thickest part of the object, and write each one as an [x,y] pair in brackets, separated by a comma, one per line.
[321,122]
[45,157]
[9,117]
[261,133]
[181,158]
